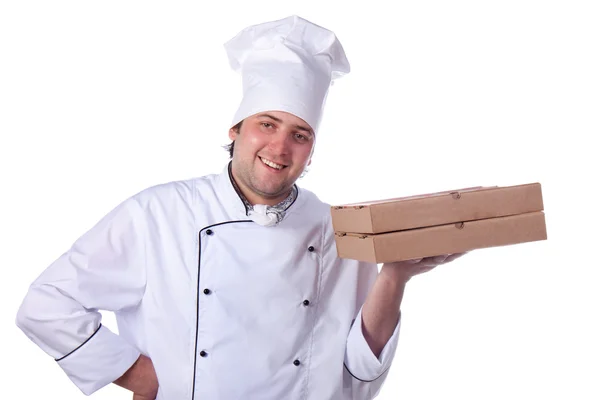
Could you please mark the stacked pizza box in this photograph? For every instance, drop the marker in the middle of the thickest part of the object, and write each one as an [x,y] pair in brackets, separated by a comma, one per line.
[439,223]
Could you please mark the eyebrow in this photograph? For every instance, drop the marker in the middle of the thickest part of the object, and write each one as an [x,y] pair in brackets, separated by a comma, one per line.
[299,127]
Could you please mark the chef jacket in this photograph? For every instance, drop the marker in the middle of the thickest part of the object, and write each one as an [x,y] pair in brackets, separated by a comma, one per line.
[225,308]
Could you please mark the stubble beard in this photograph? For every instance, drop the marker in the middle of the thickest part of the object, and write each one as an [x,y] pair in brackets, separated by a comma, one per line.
[256,185]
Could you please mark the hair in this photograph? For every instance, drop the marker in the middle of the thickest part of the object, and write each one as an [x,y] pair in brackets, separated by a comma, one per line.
[230,146]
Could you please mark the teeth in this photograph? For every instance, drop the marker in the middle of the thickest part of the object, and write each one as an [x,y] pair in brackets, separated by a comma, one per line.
[271,163]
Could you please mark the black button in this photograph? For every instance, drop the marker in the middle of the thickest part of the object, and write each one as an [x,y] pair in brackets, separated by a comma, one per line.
[306,302]
[311,249]
[206,291]
[209,232]
[296,362]
[203,353]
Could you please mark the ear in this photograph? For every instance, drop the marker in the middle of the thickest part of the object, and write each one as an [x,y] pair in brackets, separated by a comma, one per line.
[233,134]
[312,151]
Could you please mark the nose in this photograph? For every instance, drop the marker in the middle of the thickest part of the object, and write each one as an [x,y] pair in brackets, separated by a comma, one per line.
[280,143]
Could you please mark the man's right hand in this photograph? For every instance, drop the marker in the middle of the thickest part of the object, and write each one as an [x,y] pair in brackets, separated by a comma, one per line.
[142,397]
[140,379]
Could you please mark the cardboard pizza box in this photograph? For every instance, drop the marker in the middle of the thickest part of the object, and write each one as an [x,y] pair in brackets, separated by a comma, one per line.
[442,239]
[439,223]
[436,208]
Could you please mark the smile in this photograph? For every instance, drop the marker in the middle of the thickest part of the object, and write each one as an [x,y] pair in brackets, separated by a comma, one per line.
[272,164]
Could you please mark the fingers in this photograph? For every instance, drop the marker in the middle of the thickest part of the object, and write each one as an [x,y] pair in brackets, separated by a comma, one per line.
[440,259]
[445,258]
[453,257]
[434,261]
[437,260]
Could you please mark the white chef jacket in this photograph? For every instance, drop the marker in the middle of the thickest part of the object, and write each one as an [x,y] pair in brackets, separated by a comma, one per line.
[225,308]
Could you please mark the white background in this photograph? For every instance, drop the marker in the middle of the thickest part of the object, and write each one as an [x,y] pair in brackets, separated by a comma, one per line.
[99,100]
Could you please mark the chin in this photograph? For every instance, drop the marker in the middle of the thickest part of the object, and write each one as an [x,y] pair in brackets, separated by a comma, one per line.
[272,190]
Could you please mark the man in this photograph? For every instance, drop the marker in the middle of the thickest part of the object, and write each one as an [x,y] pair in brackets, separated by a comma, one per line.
[229,286]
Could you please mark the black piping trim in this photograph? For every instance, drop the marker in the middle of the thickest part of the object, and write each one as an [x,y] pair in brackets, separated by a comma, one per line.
[78,347]
[235,188]
[295,198]
[223,223]
[363,380]
[198,295]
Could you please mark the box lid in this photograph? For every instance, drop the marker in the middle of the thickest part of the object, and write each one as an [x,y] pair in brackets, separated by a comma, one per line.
[439,208]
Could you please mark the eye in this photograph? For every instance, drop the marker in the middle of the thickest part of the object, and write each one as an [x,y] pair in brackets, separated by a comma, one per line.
[266,124]
[300,137]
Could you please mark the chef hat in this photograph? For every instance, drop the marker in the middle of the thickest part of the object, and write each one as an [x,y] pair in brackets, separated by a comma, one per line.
[286,65]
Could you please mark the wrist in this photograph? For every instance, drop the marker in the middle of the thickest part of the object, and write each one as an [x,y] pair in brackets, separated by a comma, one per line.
[395,273]
[140,378]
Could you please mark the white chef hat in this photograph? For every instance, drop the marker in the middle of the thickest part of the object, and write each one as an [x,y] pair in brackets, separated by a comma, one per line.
[286,65]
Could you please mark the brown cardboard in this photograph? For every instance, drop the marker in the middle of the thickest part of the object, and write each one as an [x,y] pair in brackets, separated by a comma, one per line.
[442,239]
[437,209]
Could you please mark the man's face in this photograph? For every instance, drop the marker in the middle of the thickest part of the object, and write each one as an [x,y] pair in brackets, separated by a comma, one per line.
[271,151]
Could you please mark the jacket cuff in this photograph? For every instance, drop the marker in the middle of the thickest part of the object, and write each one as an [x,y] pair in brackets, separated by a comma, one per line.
[99,361]
[360,361]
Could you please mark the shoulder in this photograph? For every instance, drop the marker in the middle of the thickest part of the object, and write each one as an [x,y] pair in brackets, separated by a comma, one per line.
[174,192]
[318,211]
[310,201]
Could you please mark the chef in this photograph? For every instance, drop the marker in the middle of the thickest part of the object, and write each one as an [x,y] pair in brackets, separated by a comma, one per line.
[228,286]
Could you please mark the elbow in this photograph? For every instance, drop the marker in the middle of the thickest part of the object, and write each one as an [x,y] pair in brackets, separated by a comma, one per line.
[25,319]
[31,313]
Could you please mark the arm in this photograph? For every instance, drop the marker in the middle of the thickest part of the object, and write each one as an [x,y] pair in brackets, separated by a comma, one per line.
[140,379]
[381,311]
[366,368]
[103,270]
[373,338]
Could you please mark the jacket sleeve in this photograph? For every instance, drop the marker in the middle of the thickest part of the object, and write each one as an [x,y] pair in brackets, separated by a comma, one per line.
[103,270]
[366,372]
